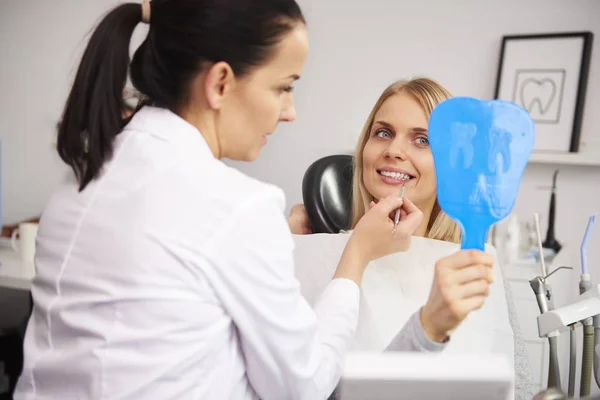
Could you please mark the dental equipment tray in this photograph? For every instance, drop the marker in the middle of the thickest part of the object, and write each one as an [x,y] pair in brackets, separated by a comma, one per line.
[423,376]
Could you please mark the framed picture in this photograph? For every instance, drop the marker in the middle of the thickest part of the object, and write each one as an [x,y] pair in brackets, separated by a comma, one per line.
[547,75]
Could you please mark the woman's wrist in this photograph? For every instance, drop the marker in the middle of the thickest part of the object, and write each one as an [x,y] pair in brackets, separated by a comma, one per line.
[429,328]
[352,263]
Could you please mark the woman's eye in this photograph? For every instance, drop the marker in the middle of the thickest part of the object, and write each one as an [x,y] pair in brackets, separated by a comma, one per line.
[422,141]
[383,134]
[288,89]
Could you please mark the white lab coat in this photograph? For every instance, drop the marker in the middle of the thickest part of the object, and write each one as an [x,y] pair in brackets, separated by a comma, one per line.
[171,277]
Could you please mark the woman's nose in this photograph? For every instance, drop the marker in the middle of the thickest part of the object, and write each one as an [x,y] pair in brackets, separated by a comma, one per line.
[396,149]
[288,112]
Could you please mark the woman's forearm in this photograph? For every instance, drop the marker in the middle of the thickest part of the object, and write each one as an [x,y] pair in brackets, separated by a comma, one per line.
[352,263]
[412,337]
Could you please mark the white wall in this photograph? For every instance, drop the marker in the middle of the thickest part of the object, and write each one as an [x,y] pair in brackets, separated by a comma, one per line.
[40,46]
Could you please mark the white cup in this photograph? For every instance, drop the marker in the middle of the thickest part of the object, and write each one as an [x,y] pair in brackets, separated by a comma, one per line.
[25,244]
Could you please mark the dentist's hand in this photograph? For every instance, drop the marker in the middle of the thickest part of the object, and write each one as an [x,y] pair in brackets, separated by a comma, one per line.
[461,284]
[375,233]
[298,220]
[372,237]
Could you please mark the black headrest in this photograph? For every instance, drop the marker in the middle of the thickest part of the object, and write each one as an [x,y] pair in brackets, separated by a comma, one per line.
[327,193]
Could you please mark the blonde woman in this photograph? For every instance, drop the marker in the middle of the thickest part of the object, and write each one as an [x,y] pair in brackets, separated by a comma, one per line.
[393,150]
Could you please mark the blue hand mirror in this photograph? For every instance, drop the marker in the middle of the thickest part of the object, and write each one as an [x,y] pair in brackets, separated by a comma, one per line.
[480,150]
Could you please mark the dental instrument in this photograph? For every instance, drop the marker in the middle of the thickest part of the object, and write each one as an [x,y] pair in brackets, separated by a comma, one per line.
[397,216]
[480,150]
[545,300]
[551,243]
[550,246]
[536,222]
[584,243]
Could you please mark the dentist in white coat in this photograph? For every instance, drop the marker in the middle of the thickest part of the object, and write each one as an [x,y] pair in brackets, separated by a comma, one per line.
[161,272]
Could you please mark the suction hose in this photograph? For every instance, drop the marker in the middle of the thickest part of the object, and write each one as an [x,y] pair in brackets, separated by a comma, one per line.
[585,284]
[572,361]
[587,360]
[553,370]
[596,350]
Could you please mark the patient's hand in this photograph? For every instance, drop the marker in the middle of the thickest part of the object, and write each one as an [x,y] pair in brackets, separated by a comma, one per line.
[460,285]
[298,220]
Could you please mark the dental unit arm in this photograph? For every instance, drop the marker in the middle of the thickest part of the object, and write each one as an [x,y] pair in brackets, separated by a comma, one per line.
[585,310]
[586,306]
[552,321]
[543,294]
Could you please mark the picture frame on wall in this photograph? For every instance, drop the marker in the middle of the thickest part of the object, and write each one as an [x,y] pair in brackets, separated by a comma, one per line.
[547,74]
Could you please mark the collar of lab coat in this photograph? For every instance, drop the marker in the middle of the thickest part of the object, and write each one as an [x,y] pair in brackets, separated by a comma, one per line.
[170,127]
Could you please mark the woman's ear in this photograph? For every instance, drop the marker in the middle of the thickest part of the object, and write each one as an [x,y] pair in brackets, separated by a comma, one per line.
[219,80]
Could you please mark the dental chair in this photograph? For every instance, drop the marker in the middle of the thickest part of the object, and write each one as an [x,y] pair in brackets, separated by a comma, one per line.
[327,193]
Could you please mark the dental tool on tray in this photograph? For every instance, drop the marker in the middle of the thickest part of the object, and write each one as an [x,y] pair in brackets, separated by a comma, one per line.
[397,216]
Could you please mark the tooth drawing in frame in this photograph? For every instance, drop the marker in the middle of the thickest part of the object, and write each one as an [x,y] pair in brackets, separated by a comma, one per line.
[547,75]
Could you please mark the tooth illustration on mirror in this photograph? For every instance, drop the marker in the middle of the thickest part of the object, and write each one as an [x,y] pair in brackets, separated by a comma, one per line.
[462,138]
[538,93]
[499,149]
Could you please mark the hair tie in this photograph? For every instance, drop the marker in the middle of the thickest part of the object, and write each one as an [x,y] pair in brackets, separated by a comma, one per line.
[146,11]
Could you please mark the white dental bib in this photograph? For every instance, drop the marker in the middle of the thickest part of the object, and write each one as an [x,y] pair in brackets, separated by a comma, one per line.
[396,286]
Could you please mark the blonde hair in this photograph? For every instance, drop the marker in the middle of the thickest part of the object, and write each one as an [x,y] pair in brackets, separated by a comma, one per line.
[428,94]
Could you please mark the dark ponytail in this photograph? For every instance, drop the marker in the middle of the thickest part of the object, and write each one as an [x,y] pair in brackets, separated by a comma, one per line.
[93,114]
[184,36]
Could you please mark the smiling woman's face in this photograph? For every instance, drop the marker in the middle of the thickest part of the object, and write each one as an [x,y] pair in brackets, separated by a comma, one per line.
[397,153]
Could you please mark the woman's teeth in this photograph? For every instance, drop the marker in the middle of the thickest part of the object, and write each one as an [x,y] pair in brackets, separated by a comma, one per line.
[395,175]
